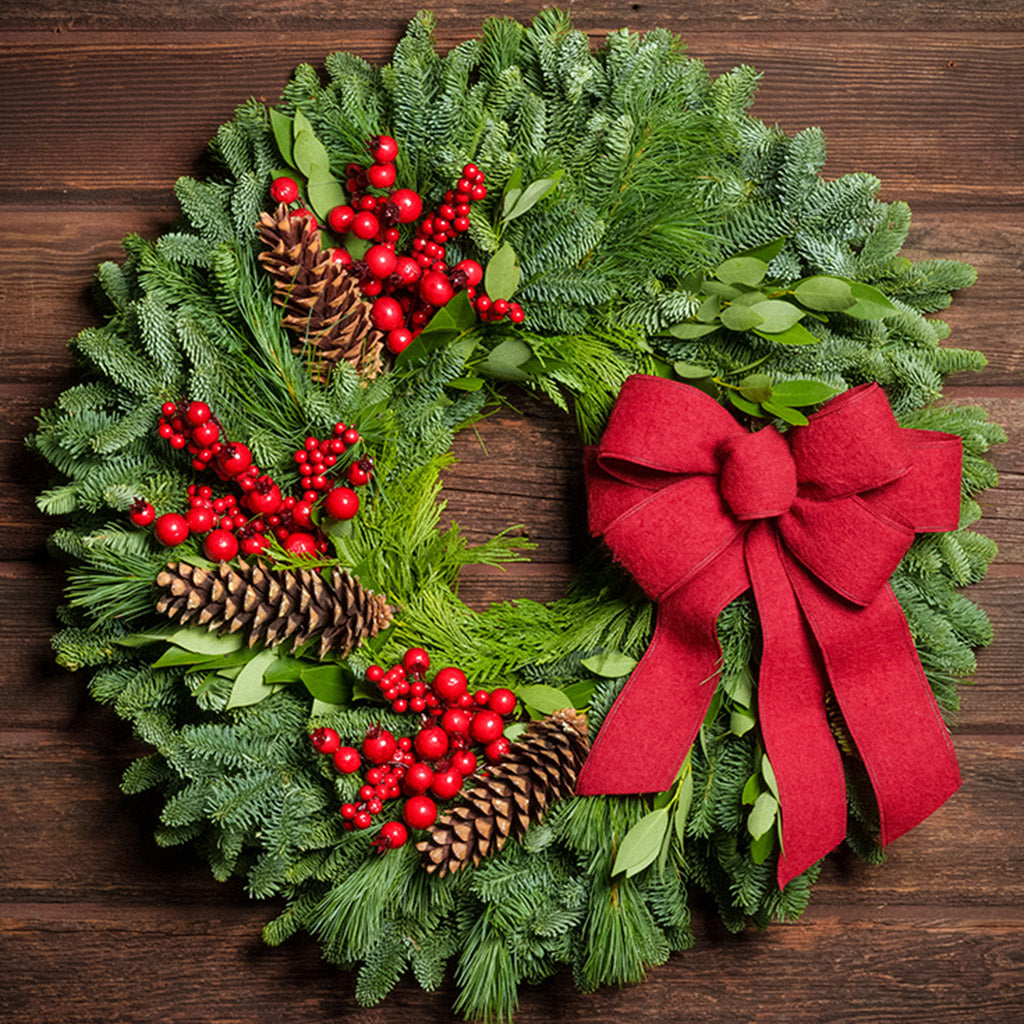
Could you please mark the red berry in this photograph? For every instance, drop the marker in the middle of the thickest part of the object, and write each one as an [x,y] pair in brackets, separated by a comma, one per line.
[206,434]
[435,288]
[284,190]
[254,545]
[379,745]
[341,503]
[365,225]
[515,313]
[481,697]
[500,306]
[483,303]
[419,812]
[235,459]
[418,778]
[392,834]
[381,175]
[325,741]
[168,409]
[449,684]
[178,441]
[368,203]
[382,148]
[415,659]
[356,475]
[346,759]
[398,340]
[341,256]
[381,260]
[141,512]
[464,762]
[471,171]
[300,544]
[375,673]
[486,726]
[220,546]
[302,514]
[387,312]
[340,219]
[473,271]
[362,820]
[502,701]
[446,784]
[497,749]
[200,519]
[350,437]
[455,722]
[431,743]
[197,413]
[479,192]
[264,499]
[409,204]
[171,529]
[308,214]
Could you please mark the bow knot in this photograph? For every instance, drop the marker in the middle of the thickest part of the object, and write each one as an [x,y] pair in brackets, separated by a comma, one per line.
[758,474]
[814,522]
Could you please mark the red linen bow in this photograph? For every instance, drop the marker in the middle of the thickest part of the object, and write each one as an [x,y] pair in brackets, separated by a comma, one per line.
[815,520]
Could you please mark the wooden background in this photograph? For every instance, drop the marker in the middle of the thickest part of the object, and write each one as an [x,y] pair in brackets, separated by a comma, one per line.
[106,102]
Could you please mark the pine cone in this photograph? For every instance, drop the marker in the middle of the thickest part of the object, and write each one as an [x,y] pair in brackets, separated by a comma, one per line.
[274,605]
[506,799]
[321,300]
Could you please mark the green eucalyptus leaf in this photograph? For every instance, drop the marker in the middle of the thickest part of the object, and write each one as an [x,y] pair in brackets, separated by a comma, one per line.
[761,848]
[741,721]
[752,790]
[871,304]
[324,194]
[768,774]
[750,298]
[579,694]
[688,331]
[640,845]
[683,804]
[466,383]
[509,202]
[285,670]
[533,194]
[723,291]
[802,392]
[308,152]
[746,270]
[249,687]
[741,318]
[762,817]
[785,413]
[545,699]
[329,683]
[823,292]
[750,408]
[707,311]
[691,371]
[766,252]
[283,134]
[505,361]
[795,335]
[610,664]
[323,707]
[739,686]
[776,315]
[757,387]
[150,636]
[195,638]
[502,276]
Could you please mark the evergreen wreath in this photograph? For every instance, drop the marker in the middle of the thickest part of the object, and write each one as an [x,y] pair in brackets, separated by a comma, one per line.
[645,223]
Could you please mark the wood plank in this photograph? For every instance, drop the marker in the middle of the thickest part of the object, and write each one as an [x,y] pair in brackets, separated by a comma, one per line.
[860,965]
[276,16]
[887,104]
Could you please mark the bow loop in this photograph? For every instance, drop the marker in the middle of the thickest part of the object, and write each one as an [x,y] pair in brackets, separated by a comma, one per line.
[758,475]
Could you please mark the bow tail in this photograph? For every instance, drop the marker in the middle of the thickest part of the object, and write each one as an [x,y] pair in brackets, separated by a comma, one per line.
[885,698]
[655,718]
[791,709]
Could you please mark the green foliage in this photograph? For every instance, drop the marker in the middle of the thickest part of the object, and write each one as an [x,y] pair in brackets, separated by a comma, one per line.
[647,224]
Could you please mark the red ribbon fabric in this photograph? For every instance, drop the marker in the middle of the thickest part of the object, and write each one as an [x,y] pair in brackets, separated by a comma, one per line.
[814,521]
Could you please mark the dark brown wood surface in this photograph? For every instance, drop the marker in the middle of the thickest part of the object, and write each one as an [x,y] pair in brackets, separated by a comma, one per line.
[105,104]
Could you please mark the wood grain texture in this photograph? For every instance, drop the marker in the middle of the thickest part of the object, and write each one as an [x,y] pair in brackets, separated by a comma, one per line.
[112,101]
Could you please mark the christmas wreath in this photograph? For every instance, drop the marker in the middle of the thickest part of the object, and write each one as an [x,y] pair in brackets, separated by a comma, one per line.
[250,473]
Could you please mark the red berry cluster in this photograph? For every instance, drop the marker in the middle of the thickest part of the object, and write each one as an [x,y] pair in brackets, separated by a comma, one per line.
[436,761]
[231,524]
[407,288]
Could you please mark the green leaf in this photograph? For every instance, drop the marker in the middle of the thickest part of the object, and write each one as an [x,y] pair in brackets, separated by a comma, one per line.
[739,686]
[741,318]
[530,196]
[743,405]
[746,270]
[724,291]
[283,135]
[741,721]
[503,274]
[687,331]
[795,335]
[509,203]
[151,636]
[331,684]
[761,848]
[823,292]
[871,304]
[776,315]
[513,190]
[766,252]
[762,817]
[466,383]
[545,699]
[195,638]
[610,664]
[286,670]
[580,694]
[249,687]
[768,773]
[515,730]
[802,392]
[683,805]
[751,298]
[752,790]
[757,387]
[787,415]
[691,371]
[707,311]
[641,843]
[323,707]
[505,361]
[324,194]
